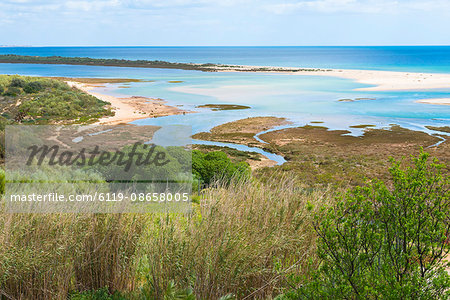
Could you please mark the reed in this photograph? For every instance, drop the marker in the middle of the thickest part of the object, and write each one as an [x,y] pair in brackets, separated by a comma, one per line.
[242,239]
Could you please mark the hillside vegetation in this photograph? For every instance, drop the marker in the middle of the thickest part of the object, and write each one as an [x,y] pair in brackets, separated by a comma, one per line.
[244,240]
[282,233]
[37,100]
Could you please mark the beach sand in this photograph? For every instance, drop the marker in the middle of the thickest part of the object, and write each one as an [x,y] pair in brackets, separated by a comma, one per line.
[436,101]
[135,108]
[381,80]
[130,108]
[389,81]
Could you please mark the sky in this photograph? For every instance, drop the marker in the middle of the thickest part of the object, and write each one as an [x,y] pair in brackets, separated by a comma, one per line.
[224,22]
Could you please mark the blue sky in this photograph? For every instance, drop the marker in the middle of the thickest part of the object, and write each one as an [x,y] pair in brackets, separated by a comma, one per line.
[225,22]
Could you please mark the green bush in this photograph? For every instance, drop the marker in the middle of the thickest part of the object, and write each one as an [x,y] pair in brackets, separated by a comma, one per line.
[216,165]
[18,82]
[386,243]
[13,91]
[33,87]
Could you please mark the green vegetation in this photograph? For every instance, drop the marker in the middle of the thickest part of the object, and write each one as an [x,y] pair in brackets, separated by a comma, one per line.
[235,155]
[36,100]
[216,107]
[216,165]
[235,240]
[245,238]
[24,59]
[293,232]
[356,99]
[320,156]
[12,58]
[387,243]
[442,129]
[362,126]
[242,131]
[101,294]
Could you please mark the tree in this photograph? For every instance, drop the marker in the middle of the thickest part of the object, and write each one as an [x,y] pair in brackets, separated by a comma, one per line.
[388,243]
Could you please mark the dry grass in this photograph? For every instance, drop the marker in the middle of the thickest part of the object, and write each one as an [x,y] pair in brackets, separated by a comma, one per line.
[44,256]
[239,240]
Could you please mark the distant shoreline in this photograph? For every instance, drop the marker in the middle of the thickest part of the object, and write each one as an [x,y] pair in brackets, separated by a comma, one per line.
[380,80]
[153,64]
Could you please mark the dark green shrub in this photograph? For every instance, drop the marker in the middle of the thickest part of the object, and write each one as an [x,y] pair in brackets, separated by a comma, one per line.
[18,82]
[216,165]
[33,87]
[13,91]
[386,243]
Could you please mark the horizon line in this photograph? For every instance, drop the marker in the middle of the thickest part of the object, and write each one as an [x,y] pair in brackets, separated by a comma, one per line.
[231,46]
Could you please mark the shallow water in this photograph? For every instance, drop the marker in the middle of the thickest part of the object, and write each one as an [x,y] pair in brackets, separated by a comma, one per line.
[301,99]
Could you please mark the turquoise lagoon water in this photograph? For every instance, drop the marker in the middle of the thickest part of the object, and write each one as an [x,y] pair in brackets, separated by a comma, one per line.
[301,99]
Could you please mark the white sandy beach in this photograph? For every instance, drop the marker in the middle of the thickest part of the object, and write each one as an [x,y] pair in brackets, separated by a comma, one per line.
[134,108]
[381,80]
[130,108]
[389,81]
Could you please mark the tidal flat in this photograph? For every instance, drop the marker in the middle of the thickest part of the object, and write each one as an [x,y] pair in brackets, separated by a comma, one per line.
[318,155]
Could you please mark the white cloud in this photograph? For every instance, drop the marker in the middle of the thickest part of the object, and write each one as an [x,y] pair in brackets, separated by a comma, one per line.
[356,6]
[91,5]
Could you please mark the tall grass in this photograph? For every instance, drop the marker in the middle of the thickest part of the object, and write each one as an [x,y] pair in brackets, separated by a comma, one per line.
[35,255]
[43,256]
[241,239]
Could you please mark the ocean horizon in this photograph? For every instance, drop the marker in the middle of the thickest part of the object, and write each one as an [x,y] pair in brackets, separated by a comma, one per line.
[435,59]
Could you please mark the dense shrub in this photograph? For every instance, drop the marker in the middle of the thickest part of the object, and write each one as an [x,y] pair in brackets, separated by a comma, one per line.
[39,100]
[386,243]
[18,82]
[13,91]
[217,165]
[33,87]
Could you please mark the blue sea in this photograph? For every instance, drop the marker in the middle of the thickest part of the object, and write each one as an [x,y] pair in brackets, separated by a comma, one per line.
[301,99]
[396,58]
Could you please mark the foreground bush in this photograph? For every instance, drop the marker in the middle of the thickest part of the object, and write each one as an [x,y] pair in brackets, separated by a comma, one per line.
[386,243]
[244,240]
